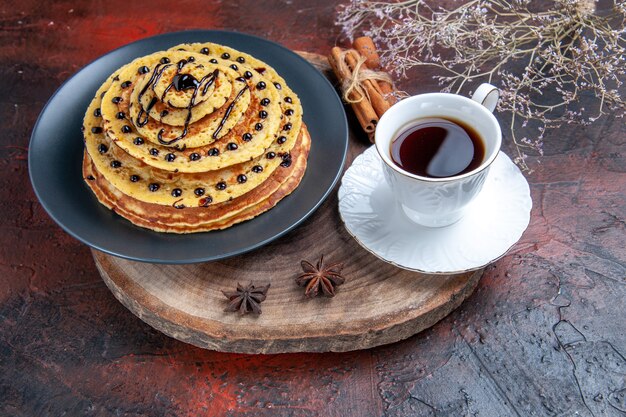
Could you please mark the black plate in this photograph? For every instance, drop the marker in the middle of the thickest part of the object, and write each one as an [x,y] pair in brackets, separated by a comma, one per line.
[56,148]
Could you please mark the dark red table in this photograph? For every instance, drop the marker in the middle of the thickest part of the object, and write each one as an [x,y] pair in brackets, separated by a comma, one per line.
[544,334]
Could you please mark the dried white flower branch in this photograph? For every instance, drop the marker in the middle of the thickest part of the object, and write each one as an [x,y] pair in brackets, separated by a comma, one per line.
[543,60]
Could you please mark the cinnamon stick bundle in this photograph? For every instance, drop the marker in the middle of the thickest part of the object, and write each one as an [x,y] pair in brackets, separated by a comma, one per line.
[366,48]
[366,90]
[362,108]
[372,89]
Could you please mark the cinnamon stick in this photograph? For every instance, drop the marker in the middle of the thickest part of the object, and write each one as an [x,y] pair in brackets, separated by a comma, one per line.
[364,45]
[371,87]
[363,109]
[366,48]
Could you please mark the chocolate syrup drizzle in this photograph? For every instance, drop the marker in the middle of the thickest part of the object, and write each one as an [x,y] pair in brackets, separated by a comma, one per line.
[178,206]
[156,75]
[186,82]
[210,82]
[228,110]
[180,83]
[192,103]
[205,201]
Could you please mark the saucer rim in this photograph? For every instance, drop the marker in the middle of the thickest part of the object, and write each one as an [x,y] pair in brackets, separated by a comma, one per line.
[422,271]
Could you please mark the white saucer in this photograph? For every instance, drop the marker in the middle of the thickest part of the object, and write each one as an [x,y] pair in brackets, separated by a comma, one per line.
[492,224]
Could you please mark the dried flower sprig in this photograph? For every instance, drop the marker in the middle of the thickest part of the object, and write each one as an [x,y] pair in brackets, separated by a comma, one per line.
[544,61]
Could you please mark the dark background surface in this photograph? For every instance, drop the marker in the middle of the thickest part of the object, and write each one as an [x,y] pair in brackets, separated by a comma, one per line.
[544,333]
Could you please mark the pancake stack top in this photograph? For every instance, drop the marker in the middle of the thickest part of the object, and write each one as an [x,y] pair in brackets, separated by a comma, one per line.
[195,138]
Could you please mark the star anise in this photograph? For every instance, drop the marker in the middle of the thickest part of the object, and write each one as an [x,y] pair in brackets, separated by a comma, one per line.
[246,299]
[320,279]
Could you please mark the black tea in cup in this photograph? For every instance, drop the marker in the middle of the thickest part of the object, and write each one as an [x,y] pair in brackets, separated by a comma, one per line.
[438,147]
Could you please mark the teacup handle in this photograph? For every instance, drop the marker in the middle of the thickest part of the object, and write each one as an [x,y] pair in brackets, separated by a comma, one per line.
[487,95]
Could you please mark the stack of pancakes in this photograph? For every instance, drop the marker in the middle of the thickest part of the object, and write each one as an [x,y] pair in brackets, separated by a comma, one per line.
[196,138]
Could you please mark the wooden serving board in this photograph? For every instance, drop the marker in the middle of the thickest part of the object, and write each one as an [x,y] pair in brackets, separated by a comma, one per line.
[378,304]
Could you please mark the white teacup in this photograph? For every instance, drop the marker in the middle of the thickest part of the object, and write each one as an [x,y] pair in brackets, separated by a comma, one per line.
[437,202]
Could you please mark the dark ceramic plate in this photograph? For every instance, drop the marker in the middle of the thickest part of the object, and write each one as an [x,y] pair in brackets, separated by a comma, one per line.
[56,148]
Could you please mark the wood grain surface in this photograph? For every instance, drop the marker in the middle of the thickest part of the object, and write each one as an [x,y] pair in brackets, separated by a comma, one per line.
[378,304]
[542,334]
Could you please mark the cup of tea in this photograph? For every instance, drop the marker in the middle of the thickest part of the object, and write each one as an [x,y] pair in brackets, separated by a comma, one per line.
[436,150]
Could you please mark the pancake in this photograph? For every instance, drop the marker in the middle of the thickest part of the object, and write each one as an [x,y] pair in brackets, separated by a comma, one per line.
[195,138]
[146,183]
[255,122]
[198,219]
